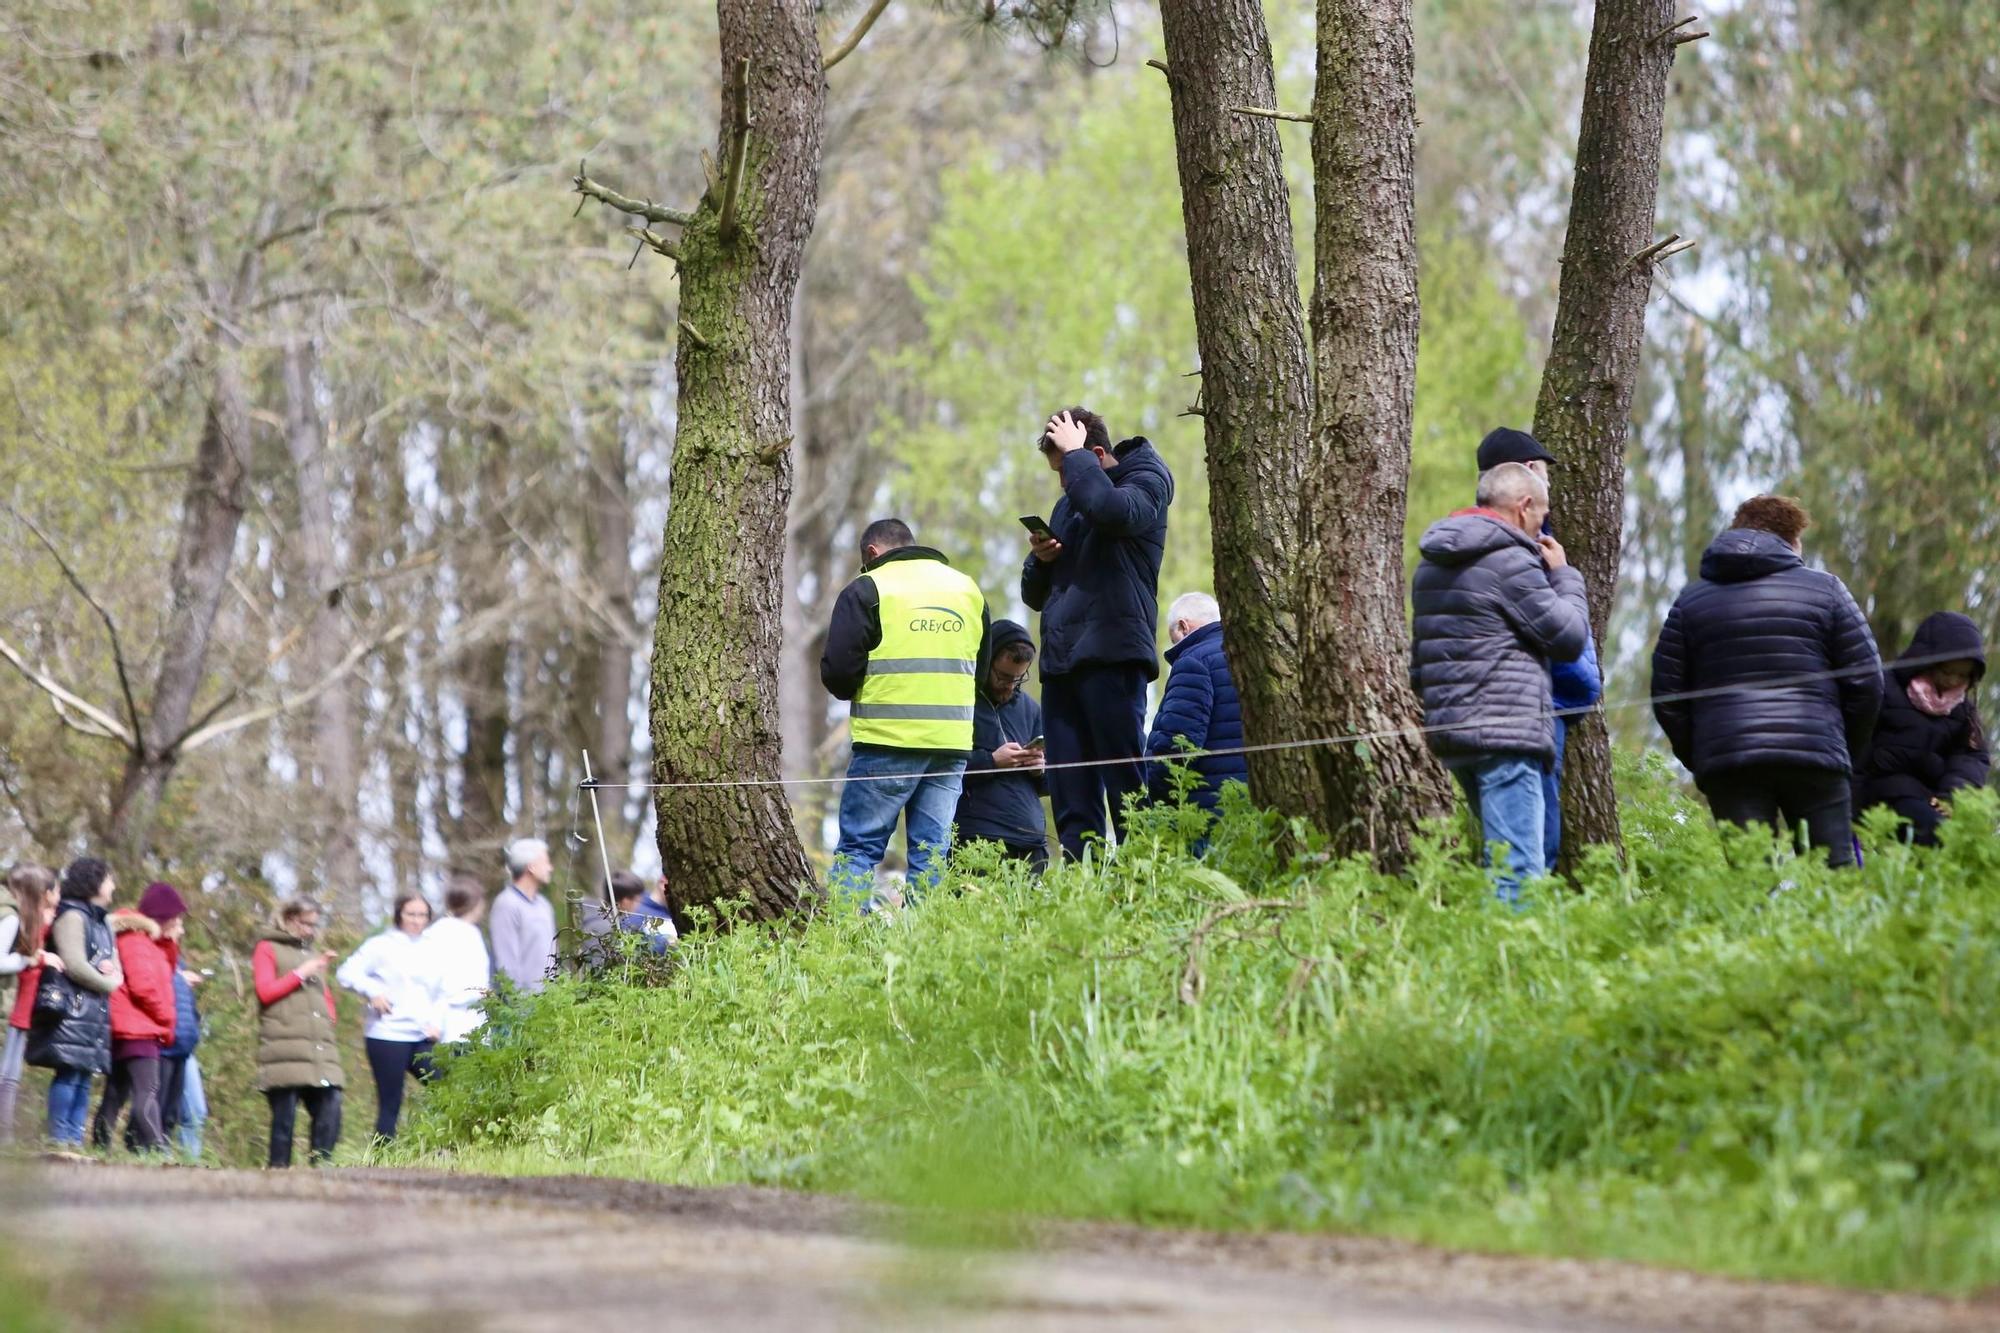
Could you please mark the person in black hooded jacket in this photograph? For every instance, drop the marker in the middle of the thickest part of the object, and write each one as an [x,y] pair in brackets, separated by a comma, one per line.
[1096,580]
[1929,741]
[1001,800]
[1785,678]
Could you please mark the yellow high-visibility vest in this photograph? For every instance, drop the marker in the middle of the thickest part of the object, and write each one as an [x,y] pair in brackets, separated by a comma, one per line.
[922,678]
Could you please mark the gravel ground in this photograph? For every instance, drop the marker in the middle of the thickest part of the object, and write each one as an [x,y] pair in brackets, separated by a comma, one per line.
[433,1251]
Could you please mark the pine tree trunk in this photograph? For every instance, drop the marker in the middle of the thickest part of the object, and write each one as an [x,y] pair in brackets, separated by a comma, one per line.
[1364,323]
[714,707]
[1256,381]
[611,655]
[336,730]
[1584,411]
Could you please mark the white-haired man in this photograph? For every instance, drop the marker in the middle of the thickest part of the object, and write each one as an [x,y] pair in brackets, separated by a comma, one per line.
[523,921]
[1496,602]
[1199,705]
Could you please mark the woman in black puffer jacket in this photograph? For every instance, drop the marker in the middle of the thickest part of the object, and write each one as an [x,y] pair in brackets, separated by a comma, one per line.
[70,1032]
[1929,742]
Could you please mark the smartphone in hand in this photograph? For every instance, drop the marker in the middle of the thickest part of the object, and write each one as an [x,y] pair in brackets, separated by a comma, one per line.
[1040,742]
[1035,524]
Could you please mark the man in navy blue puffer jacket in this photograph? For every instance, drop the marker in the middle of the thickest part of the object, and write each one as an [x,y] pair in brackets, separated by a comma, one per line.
[1786,678]
[1199,705]
[1096,579]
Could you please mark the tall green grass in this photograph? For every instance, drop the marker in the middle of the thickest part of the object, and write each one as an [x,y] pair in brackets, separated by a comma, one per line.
[1720,1057]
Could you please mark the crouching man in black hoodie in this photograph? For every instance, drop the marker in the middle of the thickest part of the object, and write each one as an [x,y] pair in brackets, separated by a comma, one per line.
[1004,782]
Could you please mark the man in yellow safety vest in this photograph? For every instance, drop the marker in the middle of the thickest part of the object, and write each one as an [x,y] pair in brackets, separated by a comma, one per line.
[907,645]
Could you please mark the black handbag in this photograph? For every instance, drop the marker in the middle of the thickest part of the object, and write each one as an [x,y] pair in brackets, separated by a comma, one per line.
[56,997]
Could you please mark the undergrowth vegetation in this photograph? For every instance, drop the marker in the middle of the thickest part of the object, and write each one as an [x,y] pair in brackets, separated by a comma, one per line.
[1720,1056]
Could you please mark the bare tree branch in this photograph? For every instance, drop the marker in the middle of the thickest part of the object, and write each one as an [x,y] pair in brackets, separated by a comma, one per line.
[195,738]
[110,625]
[846,48]
[625,203]
[1271,113]
[739,151]
[625,632]
[102,723]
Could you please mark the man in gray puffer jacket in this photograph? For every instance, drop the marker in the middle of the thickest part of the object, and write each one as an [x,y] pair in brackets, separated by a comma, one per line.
[1496,602]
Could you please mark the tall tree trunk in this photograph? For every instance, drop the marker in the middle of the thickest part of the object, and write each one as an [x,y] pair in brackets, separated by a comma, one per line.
[336,731]
[482,828]
[1700,511]
[1584,412]
[1364,320]
[211,512]
[1256,373]
[716,648]
[611,543]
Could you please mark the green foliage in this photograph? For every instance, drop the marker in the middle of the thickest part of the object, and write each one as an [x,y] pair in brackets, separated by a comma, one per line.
[1475,371]
[1852,187]
[1724,1058]
[1047,283]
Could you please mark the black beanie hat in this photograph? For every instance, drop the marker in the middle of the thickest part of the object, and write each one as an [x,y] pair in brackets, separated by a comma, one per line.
[1507,445]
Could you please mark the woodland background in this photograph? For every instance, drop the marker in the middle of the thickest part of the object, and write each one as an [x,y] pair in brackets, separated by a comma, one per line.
[350,237]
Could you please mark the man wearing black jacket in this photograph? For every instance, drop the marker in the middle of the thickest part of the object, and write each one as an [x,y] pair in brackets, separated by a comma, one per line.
[907,644]
[1784,678]
[1095,578]
[1004,782]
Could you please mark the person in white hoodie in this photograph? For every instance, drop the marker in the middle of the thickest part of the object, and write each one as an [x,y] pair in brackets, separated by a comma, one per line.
[397,973]
[465,969]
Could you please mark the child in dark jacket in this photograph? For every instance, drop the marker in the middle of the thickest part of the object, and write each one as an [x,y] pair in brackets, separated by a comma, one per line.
[1929,742]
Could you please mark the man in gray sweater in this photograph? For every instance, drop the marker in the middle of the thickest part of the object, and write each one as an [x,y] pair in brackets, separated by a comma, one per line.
[523,921]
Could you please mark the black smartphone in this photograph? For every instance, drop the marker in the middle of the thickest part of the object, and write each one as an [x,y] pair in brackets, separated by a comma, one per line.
[1038,743]
[1035,524]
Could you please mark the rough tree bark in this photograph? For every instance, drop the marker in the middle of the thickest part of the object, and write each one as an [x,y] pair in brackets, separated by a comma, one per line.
[211,512]
[1584,411]
[335,728]
[1256,381]
[1364,321]
[482,826]
[714,709]
[611,548]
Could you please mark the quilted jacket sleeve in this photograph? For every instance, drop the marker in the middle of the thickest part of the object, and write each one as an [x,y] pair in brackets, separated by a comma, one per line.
[1670,677]
[1853,654]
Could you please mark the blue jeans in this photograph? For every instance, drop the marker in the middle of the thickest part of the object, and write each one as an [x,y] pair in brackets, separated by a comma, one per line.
[921,783]
[69,1104]
[193,1112]
[1504,792]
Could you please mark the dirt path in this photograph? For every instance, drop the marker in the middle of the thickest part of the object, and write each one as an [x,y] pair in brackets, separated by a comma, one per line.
[416,1250]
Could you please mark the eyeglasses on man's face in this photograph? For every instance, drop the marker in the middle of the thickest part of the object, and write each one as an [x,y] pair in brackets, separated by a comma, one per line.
[1006,679]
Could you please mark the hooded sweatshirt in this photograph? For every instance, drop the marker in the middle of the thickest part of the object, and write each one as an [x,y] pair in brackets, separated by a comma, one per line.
[1490,616]
[1002,804]
[1781,664]
[1914,756]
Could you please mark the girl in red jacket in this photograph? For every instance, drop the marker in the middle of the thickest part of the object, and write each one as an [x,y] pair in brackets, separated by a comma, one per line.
[142,1016]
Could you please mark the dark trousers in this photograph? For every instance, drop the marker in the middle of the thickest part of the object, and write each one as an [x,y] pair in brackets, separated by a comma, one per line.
[1036,854]
[1094,713]
[173,1086]
[1813,799]
[135,1081]
[392,1062]
[322,1104]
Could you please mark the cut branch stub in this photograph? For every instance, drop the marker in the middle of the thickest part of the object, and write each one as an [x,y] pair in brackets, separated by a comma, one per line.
[739,153]
[659,244]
